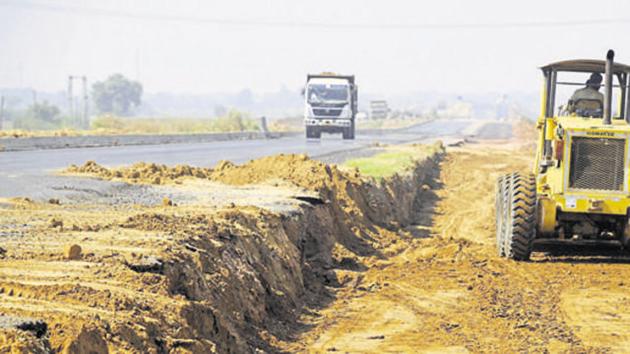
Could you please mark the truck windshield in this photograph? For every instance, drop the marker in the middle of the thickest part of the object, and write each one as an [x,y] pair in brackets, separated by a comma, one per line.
[327,93]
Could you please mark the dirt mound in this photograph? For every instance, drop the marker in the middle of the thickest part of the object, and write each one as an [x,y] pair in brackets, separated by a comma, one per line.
[296,168]
[141,172]
[353,201]
[199,282]
[193,279]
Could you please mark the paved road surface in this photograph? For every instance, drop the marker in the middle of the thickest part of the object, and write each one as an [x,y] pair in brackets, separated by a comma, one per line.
[29,173]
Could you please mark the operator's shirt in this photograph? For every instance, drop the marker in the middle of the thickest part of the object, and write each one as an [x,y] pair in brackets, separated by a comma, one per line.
[587,93]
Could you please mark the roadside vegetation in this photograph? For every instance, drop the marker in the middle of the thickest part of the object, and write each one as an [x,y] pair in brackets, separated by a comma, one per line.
[233,121]
[115,101]
[395,159]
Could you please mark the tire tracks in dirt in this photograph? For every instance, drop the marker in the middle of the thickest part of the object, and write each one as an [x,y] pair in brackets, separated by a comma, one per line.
[451,293]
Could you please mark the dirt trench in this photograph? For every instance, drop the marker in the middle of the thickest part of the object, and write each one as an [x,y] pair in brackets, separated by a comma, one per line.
[450,293]
[193,278]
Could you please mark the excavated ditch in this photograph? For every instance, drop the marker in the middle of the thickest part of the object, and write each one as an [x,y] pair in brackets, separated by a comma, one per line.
[230,280]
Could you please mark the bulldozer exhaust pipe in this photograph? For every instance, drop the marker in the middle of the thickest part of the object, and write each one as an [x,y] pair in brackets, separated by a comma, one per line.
[610,56]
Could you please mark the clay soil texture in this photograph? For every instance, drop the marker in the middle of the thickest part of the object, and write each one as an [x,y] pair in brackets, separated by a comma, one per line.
[237,265]
[451,293]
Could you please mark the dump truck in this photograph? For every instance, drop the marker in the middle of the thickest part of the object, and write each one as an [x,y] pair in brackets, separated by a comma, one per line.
[330,105]
[580,186]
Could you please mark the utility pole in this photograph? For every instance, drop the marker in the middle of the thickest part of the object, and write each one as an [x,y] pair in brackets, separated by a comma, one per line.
[1,111]
[70,98]
[75,105]
[86,121]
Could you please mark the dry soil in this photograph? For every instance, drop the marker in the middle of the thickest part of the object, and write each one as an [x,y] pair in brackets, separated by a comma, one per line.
[450,293]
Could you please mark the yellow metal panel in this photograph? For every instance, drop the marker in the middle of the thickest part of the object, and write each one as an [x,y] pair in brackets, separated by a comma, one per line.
[552,187]
[550,133]
[546,215]
[593,203]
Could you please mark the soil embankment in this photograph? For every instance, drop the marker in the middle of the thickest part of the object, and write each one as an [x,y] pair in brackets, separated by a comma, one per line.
[187,277]
[450,293]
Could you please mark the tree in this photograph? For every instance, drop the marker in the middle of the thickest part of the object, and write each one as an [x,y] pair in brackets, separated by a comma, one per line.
[117,95]
[39,116]
[44,111]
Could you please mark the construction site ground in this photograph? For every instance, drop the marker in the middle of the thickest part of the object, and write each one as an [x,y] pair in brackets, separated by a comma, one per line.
[450,293]
[288,254]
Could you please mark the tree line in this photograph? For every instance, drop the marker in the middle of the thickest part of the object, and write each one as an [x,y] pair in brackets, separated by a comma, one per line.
[116,95]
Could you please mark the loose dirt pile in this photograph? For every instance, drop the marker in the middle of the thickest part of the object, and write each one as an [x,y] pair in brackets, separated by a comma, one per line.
[373,201]
[450,293]
[141,172]
[195,278]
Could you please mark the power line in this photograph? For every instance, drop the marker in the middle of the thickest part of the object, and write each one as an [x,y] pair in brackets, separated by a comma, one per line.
[307,24]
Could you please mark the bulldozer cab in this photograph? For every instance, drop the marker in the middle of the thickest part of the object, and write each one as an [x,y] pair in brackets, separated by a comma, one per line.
[566,80]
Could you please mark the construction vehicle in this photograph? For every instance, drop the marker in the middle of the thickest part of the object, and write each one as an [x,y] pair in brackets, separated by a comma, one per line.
[330,105]
[580,186]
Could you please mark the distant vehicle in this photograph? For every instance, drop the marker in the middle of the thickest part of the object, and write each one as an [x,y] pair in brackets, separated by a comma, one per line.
[379,109]
[330,105]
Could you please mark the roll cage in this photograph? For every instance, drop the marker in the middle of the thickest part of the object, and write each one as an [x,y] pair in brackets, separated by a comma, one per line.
[620,71]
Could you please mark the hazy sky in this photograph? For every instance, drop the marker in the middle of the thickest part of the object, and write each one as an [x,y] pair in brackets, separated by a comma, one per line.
[392,46]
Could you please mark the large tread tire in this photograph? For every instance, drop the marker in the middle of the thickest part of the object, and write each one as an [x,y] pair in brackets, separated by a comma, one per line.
[520,223]
[499,203]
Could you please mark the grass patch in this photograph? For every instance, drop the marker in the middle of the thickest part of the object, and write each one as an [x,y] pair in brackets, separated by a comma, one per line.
[395,159]
[384,164]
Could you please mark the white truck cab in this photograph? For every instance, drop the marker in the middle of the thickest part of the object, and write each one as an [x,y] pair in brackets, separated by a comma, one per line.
[330,105]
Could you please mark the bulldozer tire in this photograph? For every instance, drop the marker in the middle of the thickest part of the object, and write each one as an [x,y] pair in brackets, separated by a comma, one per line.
[520,228]
[499,211]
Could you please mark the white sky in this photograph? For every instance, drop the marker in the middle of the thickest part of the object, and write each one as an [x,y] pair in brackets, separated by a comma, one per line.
[41,46]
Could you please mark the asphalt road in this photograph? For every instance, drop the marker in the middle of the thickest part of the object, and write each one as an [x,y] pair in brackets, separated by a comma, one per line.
[31,173]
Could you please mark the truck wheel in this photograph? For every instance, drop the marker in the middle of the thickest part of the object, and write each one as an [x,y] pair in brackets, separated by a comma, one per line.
[499,207]
[348,133]
[520,228]
[312,133]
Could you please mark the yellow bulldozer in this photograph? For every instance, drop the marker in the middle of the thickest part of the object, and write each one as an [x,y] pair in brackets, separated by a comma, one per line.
[580,186]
